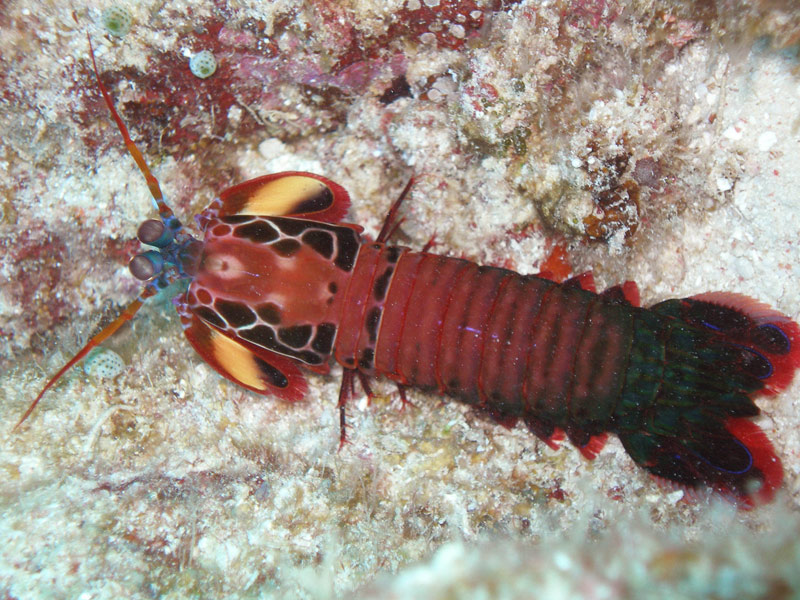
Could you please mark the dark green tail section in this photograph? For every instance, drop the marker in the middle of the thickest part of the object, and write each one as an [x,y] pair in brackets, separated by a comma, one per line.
[695,366]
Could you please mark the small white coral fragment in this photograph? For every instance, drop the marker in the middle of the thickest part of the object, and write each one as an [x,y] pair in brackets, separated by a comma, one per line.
[767,140]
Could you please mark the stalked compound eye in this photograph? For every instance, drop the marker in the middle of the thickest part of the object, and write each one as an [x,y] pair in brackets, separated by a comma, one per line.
[146,265]
[154,233]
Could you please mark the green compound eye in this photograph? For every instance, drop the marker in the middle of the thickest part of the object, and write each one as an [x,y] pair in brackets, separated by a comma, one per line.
[203,64]
[117,20]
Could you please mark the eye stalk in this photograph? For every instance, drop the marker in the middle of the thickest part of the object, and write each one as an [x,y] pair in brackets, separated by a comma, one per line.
[154,233]
[146,265]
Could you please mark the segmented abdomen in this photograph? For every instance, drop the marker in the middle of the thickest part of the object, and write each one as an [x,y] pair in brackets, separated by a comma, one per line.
[519,346]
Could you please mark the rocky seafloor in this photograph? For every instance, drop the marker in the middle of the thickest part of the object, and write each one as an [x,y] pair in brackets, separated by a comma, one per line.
[653,141]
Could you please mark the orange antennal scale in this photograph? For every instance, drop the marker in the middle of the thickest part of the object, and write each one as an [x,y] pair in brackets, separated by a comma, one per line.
[98,339]
[152,183]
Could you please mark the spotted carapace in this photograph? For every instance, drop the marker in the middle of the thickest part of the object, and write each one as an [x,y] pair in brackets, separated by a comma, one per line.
[278,282]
